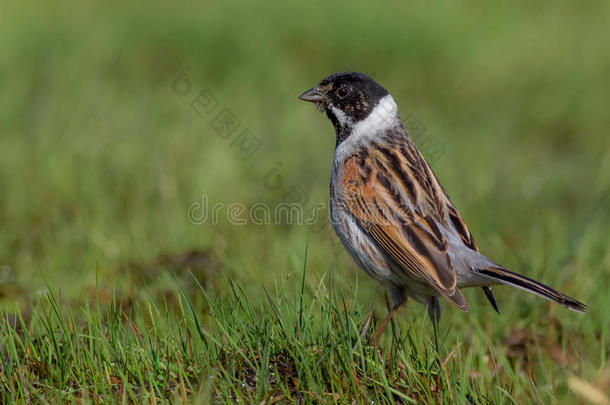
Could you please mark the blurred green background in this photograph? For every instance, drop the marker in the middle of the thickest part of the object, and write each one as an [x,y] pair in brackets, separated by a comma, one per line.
[100,157]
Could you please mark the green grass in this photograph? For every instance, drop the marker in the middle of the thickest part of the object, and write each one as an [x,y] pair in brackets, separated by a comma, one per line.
[109,293]
[292,344]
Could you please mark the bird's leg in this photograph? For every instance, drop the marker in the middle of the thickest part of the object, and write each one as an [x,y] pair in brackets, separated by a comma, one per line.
[435,325]
[434,312]
[384,324]
[365,327]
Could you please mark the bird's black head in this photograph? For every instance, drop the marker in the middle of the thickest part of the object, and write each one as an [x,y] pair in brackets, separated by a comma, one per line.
[347,98]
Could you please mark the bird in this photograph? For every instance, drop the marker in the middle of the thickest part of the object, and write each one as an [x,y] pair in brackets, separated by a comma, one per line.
[391,213]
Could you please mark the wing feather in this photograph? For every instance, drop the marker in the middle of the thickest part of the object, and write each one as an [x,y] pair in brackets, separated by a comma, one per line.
[411,239]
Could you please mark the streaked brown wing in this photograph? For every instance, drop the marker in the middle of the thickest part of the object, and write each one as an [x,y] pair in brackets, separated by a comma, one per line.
[435,200]
[460,226]
[384,209]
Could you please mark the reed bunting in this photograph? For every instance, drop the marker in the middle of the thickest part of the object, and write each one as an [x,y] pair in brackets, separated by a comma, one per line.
[392,214]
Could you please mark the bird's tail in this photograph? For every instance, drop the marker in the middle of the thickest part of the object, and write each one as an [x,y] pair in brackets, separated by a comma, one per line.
[504,276]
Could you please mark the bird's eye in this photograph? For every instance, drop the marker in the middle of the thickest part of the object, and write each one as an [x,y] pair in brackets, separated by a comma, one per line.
[342,92]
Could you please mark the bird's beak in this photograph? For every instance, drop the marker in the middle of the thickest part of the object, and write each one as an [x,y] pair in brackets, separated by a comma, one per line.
[312,95]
